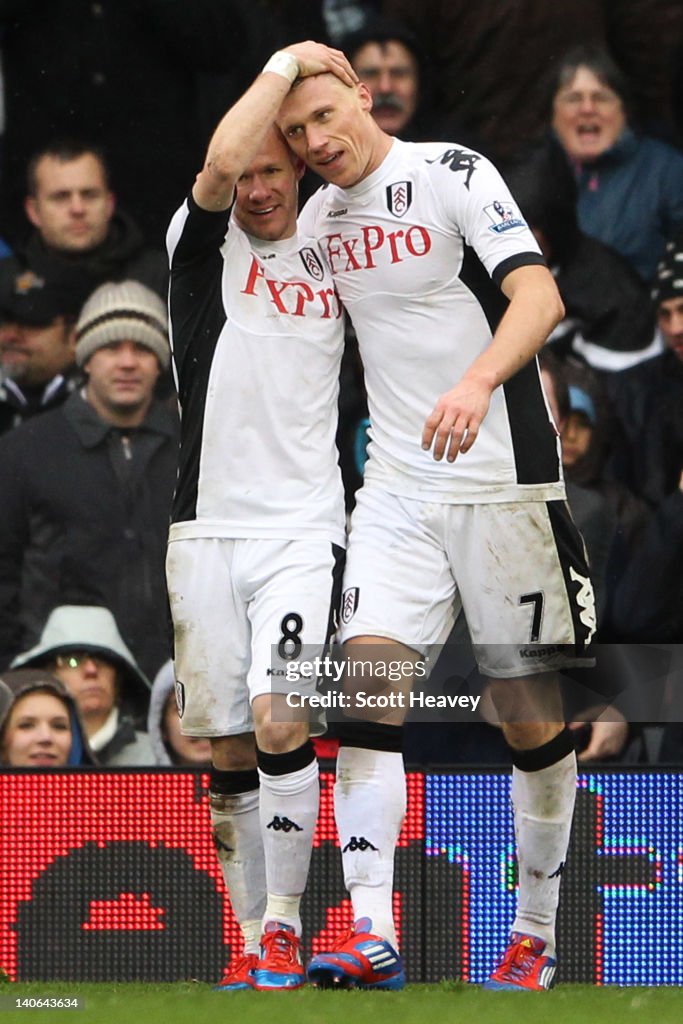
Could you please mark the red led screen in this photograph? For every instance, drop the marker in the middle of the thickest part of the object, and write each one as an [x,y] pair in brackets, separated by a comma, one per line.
[109,876]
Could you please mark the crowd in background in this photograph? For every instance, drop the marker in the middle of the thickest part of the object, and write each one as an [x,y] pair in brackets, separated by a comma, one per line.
[581,107]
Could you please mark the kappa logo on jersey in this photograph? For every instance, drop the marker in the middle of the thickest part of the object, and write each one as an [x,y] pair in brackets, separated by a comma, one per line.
[358,252]
[312,263]
[399,197]
[586,599]
[293,298]
[504,217]
[459,160]
[180,697]
[349,604]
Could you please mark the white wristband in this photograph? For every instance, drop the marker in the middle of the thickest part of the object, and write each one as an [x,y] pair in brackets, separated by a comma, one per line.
[284,64]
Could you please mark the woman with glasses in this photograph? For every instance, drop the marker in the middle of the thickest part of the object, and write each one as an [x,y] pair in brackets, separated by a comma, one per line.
[82,647]
[630,186]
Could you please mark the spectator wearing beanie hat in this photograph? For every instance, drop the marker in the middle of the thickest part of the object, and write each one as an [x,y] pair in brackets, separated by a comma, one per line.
[121,310]
[668,296]
[87,488]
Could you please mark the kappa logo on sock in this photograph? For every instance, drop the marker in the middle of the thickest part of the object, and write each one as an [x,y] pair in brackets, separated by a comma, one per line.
[283,824]
[556,874]
[220,845]
[361,844]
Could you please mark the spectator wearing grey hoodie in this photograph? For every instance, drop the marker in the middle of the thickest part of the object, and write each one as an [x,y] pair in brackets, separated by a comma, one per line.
[82,646]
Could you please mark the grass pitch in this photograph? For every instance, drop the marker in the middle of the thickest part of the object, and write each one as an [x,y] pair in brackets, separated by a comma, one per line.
[447,1003]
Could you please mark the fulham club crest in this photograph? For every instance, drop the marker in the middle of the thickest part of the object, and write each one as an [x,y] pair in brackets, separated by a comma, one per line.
[349,604]
[399,197]
[312,263]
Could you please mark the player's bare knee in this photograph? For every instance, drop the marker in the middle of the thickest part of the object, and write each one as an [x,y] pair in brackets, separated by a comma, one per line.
[534,700]
[530,735]
[234,753]
[378,679]
[281,737]
[279,726]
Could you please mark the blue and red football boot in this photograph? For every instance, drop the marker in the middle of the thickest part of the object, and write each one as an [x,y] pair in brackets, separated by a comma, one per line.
[239,975]
[358,959]
[279,965]
[523,967]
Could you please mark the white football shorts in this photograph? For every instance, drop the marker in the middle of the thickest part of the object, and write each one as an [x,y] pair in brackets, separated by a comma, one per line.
[242,610]
[518,570]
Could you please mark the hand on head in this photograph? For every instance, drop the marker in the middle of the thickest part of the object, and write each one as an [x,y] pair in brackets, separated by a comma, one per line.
[316,58]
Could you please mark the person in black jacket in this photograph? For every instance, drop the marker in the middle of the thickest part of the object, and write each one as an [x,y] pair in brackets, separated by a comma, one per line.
[609,321]
[649,608]
[37,342]
[78,231]
[648,398]
[87,488]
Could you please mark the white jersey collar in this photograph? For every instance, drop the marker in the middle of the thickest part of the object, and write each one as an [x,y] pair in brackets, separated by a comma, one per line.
[385,170]
[282,246]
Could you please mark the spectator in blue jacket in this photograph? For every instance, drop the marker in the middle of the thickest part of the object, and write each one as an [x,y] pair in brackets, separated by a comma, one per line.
[630,185]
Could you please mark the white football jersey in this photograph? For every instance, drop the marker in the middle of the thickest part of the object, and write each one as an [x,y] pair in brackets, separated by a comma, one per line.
[418,251]
[257,339]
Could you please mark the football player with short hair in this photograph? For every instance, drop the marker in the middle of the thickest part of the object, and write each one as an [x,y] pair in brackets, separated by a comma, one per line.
[258,517]
[463,503]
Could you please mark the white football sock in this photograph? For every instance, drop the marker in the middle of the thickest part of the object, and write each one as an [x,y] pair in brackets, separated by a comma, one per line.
[369,805]
[239,847]
[543,803]
[288,812]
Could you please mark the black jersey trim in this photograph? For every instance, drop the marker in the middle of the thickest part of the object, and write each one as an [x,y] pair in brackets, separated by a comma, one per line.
[339,556]
[520,259]
[197,317]
[474,275]
[534,441]
[572,555]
